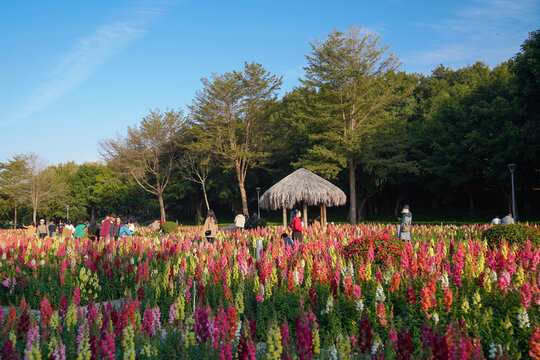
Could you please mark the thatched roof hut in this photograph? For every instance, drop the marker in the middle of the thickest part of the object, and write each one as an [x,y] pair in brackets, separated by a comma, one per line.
[305,188]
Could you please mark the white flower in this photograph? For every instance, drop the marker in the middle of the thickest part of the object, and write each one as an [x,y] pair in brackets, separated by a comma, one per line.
[523,318]
[387,276]
[360,305]
[296,278]
[375,347]
[33,262]
[4,256]
[42,262]
[379,294]
[493,276]
[333,353]
[495,350]
[238,328]
[444,280]
[329,305]
[132,261]
[435,318]
[351,270]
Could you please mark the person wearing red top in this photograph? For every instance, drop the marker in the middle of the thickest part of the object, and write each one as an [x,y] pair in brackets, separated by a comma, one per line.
[296,227]
[104,233]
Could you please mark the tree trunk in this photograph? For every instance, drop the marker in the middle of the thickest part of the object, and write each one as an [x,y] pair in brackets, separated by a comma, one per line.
[205,196]
[244,197]
[352,192]
[398,201]
[284,217]
[471,202]
[34,215]
[198,211]
[15,216]
[361,208]
[305,215]
[161,206]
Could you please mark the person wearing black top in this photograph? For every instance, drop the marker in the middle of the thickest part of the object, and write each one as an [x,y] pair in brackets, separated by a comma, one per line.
[52,228]
[92,229]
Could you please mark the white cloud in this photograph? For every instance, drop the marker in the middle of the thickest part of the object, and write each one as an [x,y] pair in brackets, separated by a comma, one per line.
[486,30]
[85,57]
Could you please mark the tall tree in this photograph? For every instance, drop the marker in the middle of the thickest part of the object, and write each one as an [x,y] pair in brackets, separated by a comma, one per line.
[356,78]
[42,186]
[230,113]
[148,152]
[14,176]
[196,168]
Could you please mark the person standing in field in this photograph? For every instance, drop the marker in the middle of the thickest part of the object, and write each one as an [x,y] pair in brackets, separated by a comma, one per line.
[240,221]
[105,229]
[52,228]
[210,227]
[67,231]
[296,227]
[117,227]
[79,230]
[111,229]
[30,230]
[406,223]
[92,229]
[60,227]
[42,229]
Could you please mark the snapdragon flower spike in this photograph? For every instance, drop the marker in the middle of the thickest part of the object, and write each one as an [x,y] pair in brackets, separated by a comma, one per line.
[304,335]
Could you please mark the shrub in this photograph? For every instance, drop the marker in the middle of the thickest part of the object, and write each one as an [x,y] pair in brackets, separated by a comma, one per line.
[512,233]
[384,246]
[169,227]
[260,223]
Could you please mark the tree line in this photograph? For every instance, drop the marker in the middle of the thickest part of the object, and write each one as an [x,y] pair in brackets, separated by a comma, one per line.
[441,142]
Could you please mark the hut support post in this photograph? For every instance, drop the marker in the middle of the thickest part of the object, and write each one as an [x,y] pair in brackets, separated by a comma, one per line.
[284,216]
[323,215]
[305,214]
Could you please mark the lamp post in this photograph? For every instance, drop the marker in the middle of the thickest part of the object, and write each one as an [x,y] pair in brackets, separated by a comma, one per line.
[512,168]
[67,212]
[258,206]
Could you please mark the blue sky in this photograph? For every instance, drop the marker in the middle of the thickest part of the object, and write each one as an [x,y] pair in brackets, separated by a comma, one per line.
[75,72]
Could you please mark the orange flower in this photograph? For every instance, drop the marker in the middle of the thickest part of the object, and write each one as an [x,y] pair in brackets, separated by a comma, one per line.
[534,351]
[381,313]
[448,298]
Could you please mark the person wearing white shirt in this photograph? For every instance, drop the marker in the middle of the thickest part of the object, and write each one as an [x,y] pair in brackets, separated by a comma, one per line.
[508,219]
[240,221]
[496,220]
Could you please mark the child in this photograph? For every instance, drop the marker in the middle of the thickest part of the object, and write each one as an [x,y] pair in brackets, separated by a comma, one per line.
[287,240]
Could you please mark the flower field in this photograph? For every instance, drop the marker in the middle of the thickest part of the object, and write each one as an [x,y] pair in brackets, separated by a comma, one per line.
[348,292]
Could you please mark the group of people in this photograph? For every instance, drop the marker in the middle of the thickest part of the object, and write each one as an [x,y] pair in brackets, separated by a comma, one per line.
[508,219]
[111,227]
[242,222]
[49,228]
[296,226]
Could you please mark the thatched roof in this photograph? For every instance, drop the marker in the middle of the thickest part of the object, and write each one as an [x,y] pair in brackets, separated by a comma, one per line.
[302,186]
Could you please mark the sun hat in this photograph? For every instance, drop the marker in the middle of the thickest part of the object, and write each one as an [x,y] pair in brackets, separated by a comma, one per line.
[42,220]
[405,209]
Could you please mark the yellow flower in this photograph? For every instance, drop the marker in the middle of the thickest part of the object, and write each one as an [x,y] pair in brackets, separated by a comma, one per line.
[128,343]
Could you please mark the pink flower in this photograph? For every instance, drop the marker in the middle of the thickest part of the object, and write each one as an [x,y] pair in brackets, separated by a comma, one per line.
[504,281]
[77,296]
[108,345]
[526,295]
